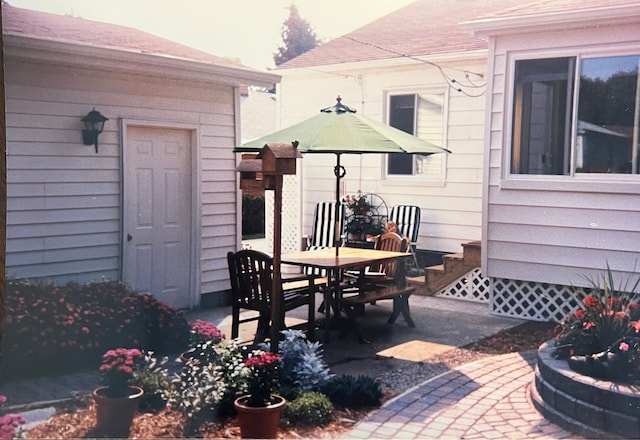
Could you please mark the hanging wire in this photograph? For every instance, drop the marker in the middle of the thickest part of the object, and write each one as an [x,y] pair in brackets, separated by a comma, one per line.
[451,82]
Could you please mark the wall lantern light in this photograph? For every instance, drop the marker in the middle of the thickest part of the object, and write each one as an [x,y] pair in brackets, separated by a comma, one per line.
[93,123]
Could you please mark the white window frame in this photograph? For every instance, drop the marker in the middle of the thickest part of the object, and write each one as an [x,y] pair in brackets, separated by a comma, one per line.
[427,179]
[573,180]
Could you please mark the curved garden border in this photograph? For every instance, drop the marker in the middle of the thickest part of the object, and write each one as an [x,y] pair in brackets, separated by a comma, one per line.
[584,405]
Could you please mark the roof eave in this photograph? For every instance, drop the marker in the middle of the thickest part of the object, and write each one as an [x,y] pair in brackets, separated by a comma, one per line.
[79,55]
[391,62]
[607,16]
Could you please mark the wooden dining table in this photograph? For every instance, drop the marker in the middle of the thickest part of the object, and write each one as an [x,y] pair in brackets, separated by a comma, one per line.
[346,258]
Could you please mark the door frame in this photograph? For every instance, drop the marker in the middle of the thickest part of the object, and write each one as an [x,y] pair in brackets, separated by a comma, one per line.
[194,241]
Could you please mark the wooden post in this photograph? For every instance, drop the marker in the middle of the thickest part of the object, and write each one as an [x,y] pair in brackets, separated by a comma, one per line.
[276,288]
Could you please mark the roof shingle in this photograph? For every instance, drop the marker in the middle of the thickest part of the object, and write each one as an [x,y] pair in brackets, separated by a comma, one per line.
[430,27]
[64,28]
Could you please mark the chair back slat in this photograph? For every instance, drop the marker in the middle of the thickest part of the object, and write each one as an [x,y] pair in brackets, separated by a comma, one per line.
[407,217]
[324,232]
[250,273]
[394,243]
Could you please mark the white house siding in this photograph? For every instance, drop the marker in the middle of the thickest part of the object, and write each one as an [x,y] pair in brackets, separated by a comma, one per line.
[451,207]
[63,201]
[546,229]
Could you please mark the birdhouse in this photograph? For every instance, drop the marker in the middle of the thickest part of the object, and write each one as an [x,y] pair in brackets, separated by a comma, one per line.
[279,158]
[261,171]
[251,178]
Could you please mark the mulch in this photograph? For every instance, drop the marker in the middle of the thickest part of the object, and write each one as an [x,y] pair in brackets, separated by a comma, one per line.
[78,420]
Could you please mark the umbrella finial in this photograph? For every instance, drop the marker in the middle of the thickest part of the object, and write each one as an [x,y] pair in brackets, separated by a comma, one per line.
[338,108]
[338,99]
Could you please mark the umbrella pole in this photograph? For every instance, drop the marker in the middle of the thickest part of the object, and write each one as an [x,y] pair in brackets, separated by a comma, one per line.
[339,172]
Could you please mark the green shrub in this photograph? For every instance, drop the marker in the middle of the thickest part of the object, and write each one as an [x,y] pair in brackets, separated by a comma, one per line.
[252,215]
[197,392]
[349,391]
[310,408]
[153,378]
[51,329]
[206,390]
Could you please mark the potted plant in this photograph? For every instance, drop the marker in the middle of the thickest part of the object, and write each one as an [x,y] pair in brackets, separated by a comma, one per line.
[116,401]
[259,411]
[357,204]
[203,338]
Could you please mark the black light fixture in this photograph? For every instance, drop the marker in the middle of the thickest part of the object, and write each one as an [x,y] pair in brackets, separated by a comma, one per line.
[94,123]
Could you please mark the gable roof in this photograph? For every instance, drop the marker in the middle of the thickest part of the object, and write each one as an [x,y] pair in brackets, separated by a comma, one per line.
[57,30]
[424,27]
[558,6]
[433,27]
[546,14]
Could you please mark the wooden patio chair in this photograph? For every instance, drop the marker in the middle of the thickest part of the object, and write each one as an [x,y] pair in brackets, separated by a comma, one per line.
[407,218]
[380,275]
[251,274]
[382,281]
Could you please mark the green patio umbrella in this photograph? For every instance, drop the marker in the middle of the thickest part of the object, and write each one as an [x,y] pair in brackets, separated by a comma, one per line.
[340,130]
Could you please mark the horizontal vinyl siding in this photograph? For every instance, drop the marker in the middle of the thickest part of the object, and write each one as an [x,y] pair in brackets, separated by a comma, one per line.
[64,200]
[554,229]
[451,209]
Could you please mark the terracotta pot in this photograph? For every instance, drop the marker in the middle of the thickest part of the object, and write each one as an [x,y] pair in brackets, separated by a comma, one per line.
[114,415]
[259,422]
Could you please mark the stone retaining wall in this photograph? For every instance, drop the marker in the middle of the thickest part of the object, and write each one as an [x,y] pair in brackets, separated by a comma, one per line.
[584,405]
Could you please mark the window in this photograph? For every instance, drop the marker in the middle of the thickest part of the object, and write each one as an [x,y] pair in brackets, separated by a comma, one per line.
[575,115]
[420,115]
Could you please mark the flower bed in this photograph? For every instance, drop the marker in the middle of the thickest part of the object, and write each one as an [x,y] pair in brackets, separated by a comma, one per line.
[51,330]
[586,375]
[589,407]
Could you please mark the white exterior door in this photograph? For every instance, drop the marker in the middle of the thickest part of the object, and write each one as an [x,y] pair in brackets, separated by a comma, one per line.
[157,213]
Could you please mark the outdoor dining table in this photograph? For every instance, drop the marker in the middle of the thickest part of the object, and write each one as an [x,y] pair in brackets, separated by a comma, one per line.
[347,258]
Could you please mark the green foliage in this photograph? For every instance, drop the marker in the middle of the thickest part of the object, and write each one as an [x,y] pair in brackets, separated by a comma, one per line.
[197,391]
[310,408]
[302,364]
[51,329]
[349,391]
[233,374]
[608,314]
[203,351]
[252,215]
[297,37]
[206,390]
[154,379]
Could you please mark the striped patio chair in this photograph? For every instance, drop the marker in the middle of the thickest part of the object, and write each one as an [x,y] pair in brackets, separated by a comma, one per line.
[407,217]
[324,234]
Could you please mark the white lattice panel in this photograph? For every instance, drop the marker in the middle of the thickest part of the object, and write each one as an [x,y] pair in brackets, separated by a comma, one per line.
[533,301]
[471,287]
[290,237]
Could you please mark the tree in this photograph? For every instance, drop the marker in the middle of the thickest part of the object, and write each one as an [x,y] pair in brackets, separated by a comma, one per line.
[297,37]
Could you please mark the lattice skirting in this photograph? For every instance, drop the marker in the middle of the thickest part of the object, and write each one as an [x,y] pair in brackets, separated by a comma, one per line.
[471,287]
[515,298]
[533,301]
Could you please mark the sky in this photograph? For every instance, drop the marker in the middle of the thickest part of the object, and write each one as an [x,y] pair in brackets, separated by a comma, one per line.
[248,30]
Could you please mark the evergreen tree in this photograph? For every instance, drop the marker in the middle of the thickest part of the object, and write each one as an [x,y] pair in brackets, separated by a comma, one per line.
[297,37]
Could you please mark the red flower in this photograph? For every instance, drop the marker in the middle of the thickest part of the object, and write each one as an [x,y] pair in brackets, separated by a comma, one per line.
[623,346]
[635,325]
[579,314]
[620,315]
[591,302]
[589,324]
